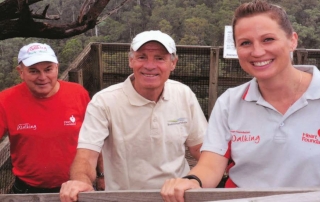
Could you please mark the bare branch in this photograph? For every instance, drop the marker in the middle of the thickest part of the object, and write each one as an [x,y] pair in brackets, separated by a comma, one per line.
[17,20]
[44,15]
[84,9]
[115,10]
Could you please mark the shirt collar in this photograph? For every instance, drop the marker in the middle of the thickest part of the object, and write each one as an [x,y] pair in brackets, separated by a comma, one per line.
[252,92]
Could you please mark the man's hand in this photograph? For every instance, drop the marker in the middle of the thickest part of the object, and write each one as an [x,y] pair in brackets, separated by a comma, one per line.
[70,189]
[173,189]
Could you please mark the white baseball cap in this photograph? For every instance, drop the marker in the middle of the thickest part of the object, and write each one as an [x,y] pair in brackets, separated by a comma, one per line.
[154,35]
[36,52]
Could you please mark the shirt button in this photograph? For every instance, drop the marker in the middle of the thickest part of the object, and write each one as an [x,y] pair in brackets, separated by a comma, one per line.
[281,124]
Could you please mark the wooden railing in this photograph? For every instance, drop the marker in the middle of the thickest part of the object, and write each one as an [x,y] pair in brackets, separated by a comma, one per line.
[196,195]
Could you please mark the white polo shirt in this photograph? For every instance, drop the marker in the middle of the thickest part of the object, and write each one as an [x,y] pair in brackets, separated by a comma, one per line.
[143,142]
[269,149]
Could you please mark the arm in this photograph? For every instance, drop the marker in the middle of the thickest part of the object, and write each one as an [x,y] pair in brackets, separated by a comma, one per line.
[209,169]
[100,186]
[82,175]
[195,151]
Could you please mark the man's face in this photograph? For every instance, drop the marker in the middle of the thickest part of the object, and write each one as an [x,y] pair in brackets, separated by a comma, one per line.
[151,65]
[41,78]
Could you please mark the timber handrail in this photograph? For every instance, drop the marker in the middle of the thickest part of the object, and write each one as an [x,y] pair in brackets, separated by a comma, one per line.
[195,195]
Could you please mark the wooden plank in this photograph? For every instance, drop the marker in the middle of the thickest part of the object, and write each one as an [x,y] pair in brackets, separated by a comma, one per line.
[30,197]
[239,193]
[199,195]
[122,196]
[304,197]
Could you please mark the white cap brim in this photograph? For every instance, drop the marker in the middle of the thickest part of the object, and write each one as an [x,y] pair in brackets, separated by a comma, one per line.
[39,58]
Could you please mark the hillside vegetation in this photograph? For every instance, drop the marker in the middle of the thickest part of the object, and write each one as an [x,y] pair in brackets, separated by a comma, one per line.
[189,22]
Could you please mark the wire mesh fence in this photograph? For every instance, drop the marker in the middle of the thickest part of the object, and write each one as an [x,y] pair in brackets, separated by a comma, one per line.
[6,176]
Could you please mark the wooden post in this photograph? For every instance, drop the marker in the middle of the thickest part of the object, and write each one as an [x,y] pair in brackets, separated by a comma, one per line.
[96,61]
[100,66]
[302,56]
[213,78]
[76,76]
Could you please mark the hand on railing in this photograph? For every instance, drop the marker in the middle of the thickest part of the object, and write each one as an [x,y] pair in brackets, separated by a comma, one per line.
[70,190]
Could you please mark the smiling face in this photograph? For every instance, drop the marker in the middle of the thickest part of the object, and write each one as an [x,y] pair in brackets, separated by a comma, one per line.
[263,47]
[151,65]
[41,78]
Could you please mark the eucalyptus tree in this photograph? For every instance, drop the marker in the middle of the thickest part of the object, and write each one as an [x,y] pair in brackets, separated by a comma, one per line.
[17,19]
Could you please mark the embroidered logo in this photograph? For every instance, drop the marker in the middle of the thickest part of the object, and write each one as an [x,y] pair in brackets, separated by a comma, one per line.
[71,121]
[177,121]
[244,136]
[26,126]
[311,138]
[37,48]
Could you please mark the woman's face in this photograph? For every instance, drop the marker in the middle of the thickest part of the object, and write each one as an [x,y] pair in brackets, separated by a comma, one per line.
[263,47]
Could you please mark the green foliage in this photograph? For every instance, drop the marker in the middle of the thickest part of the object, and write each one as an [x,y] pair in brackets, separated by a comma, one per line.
[72,48]
[195,30]
[165,26]
[111,30]
[189,22]
[172,14]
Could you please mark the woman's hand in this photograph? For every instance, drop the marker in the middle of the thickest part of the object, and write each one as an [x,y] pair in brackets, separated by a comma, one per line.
[173,189]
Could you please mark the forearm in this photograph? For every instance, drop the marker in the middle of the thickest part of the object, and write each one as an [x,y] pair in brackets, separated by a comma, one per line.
[84,167]
[210,169]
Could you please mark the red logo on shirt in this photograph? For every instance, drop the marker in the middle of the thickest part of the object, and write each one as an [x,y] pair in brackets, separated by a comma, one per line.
[71,121]
[244,136]
[311,138]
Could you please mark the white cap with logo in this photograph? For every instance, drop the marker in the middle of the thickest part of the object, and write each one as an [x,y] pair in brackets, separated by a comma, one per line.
[36,52]
[154,35]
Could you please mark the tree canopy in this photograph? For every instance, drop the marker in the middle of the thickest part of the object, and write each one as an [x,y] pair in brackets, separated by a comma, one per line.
[18,19]
[69,25]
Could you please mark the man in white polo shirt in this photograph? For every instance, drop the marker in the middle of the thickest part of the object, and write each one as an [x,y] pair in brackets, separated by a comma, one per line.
[141,125]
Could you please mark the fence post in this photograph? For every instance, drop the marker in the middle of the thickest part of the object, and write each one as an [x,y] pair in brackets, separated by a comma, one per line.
[76,76]
[213,78]
[100,66]
[96,66]
[302,56]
